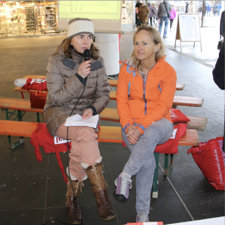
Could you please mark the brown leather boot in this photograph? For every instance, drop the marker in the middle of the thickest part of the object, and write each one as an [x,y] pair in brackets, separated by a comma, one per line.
[72,202]
[99,187]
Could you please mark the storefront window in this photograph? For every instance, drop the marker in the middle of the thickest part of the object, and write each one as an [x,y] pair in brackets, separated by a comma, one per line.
[27,18]
[127,12]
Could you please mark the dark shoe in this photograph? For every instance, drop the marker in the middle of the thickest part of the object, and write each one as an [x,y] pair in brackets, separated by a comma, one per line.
[105,210]
[99,187]
[72,203]
[75,216]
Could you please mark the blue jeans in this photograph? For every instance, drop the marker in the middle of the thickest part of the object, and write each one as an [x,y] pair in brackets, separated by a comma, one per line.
[166,20]
[142,162]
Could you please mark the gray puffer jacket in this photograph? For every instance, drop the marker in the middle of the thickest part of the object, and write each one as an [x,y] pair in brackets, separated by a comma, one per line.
[64,89]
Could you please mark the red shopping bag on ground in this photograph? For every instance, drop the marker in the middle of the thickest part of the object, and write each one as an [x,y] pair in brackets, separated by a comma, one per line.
[210,158]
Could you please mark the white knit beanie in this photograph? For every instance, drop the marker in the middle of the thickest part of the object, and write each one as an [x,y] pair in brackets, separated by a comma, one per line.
[79,25]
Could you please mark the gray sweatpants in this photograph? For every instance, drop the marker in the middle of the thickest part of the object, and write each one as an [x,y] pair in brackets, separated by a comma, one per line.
[142,162]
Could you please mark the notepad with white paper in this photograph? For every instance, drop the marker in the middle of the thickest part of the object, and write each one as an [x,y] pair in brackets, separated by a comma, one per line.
[77,120]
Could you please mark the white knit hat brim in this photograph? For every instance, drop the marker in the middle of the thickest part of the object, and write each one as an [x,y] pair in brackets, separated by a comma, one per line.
[80,26]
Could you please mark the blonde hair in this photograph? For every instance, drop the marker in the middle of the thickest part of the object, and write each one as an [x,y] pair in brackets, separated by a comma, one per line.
[154,34]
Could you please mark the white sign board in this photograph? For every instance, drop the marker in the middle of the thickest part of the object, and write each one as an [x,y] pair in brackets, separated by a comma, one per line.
[189,27]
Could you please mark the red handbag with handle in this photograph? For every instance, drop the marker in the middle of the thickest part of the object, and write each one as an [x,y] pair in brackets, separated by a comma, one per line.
[210,158]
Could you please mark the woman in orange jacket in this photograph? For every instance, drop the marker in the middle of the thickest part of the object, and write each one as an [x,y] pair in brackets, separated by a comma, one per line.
[145,92]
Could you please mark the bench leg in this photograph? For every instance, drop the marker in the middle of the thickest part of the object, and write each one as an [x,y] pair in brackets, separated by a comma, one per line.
[38,117]
[168,163]
[155,179]
[17,143]
[19,116]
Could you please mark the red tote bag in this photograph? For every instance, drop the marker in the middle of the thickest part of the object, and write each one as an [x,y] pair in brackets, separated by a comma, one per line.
[210,158]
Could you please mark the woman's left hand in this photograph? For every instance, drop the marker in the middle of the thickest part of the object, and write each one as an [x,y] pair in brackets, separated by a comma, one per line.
[87,113]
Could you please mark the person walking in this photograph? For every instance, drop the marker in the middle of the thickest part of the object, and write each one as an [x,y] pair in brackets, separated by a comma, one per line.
[152,13]
[145,92]
[172,16]
[143,15]
[163,15]
[77,84]
[186,7]
[137,6]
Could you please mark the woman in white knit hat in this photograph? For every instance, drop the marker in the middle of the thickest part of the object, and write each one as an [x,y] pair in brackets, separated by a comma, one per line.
[77,84]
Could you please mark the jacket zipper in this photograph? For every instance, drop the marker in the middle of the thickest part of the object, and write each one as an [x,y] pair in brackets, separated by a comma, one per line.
[144,91]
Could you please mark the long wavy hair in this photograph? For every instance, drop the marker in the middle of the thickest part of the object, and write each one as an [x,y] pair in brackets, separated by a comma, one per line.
[67,48]
[154,34]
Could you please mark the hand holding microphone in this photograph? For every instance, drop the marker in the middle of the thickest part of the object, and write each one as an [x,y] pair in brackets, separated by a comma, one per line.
[85,67]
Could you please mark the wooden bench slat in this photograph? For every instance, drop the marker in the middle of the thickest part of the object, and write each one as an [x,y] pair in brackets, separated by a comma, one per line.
[34,76]
[198,123]
[17,128]
[178,100]
[107,133]
[188,101]
[180,86]
[18,104]
[112,82]
[113,134]
[109,114]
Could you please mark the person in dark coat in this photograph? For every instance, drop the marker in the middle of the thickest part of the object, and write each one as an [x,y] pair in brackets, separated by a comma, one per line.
[137,6]
[218,77]
[218,72]
[222,24]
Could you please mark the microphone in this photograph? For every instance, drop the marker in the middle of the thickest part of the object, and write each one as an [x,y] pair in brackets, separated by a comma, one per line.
[86,54]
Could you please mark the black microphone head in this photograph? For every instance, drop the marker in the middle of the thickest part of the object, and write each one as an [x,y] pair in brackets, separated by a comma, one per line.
[87,54]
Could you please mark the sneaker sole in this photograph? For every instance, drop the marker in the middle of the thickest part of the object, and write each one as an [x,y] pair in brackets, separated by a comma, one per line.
[108,218]
[120,198]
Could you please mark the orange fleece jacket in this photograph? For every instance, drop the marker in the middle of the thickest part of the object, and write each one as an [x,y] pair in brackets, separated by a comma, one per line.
[142,101]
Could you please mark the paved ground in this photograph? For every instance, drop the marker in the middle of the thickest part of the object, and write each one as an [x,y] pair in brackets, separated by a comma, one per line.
[33,193]
[209,38]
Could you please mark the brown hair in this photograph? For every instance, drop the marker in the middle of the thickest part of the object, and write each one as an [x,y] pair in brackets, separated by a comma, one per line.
[154,34]
[143,14]
[67,48]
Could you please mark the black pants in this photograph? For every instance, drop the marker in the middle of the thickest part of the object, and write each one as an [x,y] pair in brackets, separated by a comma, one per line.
[171,23]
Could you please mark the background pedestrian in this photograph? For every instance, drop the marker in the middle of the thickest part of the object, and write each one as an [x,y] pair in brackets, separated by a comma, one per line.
[172,16]
[163,15]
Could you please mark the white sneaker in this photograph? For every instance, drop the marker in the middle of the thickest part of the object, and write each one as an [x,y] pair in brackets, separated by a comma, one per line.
[142,218]
[123,185]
